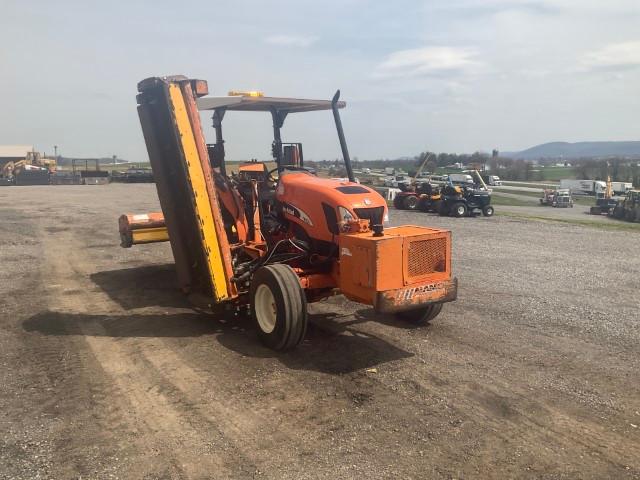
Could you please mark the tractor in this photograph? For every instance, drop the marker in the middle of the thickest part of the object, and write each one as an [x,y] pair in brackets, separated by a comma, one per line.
[271,240]
[420,196]
[628,208]
[605,203]
[462,201]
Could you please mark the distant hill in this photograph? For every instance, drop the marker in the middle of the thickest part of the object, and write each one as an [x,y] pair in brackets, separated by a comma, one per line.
[578,150]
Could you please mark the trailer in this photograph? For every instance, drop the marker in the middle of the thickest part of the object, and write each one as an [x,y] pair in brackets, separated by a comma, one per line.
[584,187]
[621,188]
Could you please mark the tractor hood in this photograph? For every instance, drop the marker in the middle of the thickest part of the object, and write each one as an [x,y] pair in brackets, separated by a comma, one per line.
[318,204]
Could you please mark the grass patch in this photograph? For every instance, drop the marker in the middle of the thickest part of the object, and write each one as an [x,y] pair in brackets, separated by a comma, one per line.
[557,173]
[613,224]
[524,193]
[497,199]
[577,199]
[541,186]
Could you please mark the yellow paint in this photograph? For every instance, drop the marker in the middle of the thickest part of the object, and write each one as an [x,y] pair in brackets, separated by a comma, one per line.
[150,235]
[202,205]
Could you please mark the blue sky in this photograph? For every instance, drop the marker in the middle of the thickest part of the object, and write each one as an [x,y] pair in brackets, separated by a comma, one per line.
[443,75]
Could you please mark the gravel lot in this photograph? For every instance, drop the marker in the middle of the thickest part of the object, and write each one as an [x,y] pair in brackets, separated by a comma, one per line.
[107,373]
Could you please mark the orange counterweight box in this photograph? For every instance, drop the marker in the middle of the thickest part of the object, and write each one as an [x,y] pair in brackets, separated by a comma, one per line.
[407,267]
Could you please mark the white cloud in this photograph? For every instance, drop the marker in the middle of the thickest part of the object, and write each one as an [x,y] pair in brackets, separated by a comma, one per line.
[428,61]
[616,56]
[302,41]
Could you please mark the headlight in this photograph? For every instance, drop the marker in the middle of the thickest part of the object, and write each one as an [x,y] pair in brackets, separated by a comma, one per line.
[345,215]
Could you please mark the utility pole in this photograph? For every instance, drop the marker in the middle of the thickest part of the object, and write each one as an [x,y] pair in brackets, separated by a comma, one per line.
[55,152]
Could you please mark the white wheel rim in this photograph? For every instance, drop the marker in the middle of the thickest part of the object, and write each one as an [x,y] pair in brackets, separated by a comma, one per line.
[460,210]
[266,310]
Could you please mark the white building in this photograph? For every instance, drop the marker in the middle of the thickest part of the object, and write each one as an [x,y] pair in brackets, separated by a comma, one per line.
[11,153]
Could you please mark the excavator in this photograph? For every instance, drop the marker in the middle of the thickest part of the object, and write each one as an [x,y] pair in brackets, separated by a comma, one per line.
[273,240]
[605,203]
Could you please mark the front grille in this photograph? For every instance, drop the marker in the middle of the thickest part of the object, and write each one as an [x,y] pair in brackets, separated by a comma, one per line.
[373,214]
[427,256]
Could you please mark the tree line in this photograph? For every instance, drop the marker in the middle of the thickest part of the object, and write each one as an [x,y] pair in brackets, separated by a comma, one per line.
[620,169]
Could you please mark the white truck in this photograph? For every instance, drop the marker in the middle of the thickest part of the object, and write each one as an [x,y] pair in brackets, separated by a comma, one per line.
[492,180]
[461,178]
[397,180]
[585,187]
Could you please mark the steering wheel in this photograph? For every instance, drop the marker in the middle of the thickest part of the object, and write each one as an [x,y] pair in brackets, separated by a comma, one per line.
[288,167]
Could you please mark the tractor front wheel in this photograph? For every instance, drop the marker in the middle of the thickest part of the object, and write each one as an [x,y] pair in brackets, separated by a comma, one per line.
[459,209]
[398,202]
[421,316]
[488,211]
[279,306]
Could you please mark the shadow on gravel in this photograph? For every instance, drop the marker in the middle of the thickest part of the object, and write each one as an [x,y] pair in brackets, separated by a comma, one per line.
[172,325]
[139,287]
[330,346]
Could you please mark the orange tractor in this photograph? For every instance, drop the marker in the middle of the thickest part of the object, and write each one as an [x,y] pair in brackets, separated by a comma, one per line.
[276,239]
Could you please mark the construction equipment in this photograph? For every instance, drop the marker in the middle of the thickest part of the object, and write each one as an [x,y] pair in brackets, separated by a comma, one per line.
[88,176]
[275,240]
[605,203]
[628,208]
[560,198]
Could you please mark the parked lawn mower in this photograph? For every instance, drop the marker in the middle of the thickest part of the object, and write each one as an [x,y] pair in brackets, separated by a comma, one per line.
[459,201]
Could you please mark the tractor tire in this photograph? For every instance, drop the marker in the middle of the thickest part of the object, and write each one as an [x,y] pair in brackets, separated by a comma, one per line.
[398,202]
[279,307]
[425,205]
[410,202]
[421,316]
[458,210]
[488,211]
[435,207]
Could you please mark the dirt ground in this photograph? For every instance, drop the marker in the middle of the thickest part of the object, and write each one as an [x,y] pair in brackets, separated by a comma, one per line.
[107,373]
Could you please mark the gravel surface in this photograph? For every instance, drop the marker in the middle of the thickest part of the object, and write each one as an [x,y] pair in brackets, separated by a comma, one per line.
[108,373]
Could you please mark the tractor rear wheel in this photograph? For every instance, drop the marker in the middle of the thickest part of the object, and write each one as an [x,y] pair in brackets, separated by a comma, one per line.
[279,306]
[459,209]
[421,316]
[411,202]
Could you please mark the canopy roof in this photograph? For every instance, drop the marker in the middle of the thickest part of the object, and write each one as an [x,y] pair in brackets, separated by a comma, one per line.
[264,104]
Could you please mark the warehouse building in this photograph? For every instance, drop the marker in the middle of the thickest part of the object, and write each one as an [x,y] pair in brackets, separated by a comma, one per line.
[13,153]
